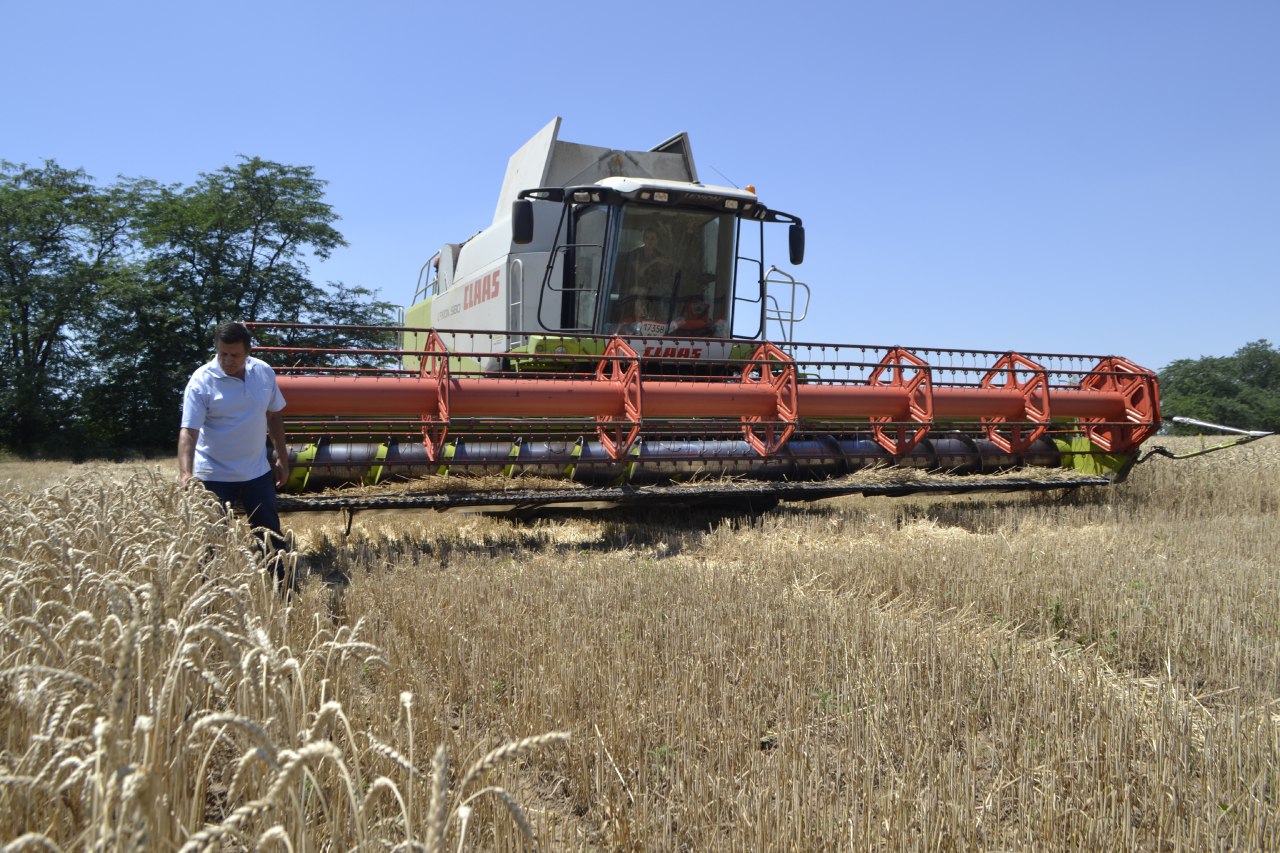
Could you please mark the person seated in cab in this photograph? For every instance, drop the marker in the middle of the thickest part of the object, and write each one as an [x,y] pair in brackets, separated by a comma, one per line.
[645,316]
[696,320]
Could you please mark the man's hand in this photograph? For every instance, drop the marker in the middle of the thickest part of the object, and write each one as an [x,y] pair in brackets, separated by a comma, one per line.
[186,454]
[282,472]
[275,431]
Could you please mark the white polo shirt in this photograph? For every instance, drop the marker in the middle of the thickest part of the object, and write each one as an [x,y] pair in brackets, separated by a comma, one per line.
[231,415]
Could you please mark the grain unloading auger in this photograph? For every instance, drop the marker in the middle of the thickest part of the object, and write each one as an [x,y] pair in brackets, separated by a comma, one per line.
[616,327]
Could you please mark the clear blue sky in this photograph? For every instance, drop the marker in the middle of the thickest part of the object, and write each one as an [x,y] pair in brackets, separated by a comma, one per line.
[1093,176]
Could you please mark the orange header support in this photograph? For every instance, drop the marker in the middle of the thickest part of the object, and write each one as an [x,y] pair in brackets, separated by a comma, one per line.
[1117,400]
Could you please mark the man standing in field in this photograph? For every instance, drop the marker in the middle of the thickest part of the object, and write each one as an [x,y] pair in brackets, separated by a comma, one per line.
[230,408]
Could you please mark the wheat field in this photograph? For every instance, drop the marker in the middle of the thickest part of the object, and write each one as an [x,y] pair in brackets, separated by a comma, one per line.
[1089,671]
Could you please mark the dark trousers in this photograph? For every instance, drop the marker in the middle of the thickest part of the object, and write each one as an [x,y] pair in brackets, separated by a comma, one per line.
[257,498]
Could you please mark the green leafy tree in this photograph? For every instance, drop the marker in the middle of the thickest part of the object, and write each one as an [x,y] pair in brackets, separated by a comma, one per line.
[109,296]
[63,242]
[1240,390]
[233,246]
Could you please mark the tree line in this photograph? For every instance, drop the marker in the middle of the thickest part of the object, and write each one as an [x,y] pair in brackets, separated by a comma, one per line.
[1241,390]
[109,294]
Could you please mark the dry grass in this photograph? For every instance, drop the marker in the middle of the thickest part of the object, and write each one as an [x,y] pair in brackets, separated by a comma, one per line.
[1099,671]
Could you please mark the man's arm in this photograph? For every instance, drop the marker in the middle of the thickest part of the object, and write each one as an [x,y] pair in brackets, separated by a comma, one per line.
[186,453]
[275,429]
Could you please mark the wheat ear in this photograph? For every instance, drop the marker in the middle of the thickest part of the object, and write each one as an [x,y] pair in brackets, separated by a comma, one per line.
[510,752]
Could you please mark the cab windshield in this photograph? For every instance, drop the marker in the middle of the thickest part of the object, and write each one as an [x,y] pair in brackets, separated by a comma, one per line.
[672,274]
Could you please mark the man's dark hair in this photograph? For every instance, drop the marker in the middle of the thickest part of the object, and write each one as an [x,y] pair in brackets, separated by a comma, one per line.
[232,333]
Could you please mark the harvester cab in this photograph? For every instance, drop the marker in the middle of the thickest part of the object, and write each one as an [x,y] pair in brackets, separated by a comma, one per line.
[611,243]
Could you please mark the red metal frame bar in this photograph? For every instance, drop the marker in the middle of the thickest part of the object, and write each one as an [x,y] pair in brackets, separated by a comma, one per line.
[434,366]
[1035,396]
[911,374]
[1136,387]
[507,397]
[771,367]
[620,368]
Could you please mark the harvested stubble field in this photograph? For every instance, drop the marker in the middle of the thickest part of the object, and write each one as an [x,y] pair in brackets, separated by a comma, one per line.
[1098,671]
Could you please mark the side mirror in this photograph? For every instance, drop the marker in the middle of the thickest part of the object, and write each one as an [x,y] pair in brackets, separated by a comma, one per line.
[522,221]
[795,237]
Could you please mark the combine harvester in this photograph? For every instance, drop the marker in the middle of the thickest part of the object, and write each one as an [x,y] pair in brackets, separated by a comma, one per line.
[616,327]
